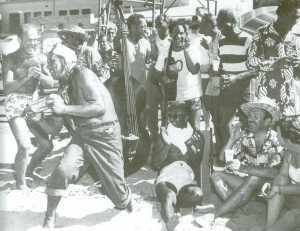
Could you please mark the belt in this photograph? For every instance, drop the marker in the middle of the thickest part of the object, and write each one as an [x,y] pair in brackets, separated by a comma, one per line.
[96,125]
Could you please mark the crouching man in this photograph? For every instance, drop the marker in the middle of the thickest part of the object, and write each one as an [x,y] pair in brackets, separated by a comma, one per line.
[177,156]
[96,139]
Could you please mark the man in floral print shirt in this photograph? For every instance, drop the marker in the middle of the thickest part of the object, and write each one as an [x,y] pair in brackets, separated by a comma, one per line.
[257,158]
[275,51]
[75,38]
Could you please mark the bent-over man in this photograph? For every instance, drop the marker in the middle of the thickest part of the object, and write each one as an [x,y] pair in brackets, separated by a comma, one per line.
[97,139]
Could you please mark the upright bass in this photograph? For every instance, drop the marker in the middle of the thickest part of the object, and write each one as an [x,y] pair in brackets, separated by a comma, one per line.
[129,98]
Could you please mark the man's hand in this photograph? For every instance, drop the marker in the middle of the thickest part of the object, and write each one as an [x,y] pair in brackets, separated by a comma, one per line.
[228,80]
[296,61]
[122,31]
[233,165]
[235,132]
[283,63]
[153,35]
[35,117]
[56,104]
[34,72]
[274,190]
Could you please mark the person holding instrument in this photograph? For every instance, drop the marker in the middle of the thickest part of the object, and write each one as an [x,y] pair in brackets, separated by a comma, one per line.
[23,71]
[131,99]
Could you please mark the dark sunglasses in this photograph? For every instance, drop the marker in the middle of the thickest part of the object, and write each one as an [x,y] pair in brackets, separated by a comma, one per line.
[175,116]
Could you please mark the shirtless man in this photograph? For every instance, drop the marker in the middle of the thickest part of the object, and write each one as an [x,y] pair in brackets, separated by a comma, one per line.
[23,70]
[97,139]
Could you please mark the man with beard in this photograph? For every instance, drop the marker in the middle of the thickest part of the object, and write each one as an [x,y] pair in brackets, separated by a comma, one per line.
[96,140]
[23,71]
[257,158]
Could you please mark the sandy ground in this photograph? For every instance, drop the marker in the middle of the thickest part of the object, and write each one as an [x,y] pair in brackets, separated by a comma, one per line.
[85,208]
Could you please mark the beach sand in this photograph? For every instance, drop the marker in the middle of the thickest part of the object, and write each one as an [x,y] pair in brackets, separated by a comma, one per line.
[85,208]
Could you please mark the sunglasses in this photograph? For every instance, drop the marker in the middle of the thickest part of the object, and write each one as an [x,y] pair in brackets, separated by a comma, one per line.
[175,116]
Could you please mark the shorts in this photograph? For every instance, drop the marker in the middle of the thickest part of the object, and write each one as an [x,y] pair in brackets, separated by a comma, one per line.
[194,104]
[15,104]
[179,174]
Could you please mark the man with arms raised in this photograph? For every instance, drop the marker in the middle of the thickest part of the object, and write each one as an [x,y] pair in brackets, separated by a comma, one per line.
[97,139]
[23,70]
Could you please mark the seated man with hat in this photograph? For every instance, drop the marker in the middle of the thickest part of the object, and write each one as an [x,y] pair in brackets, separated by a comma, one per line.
[257,158]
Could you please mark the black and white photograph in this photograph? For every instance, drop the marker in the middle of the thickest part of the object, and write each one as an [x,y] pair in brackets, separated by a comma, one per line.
[150,115]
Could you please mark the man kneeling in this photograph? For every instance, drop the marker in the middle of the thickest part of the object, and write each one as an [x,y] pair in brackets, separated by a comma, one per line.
[177,156]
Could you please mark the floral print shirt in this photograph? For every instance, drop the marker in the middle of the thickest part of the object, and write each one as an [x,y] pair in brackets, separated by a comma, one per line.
[269,155]
[278,84]
[90,58]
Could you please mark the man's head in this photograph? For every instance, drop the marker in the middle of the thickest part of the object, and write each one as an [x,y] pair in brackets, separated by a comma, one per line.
[208,24]
[73,36]
[196,22]
[103,42]
[288,131]
[227,22]
[136,25]
[288,12]
[60,60]
[178,113]
[29,38]
[260,114]
[111,32]
[179,33]
[162,25]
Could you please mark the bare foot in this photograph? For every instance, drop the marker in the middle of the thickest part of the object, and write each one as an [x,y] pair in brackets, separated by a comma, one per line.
[133,206]
[173,222]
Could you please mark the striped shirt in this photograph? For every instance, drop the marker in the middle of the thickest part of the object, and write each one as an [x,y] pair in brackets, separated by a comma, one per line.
[233,53]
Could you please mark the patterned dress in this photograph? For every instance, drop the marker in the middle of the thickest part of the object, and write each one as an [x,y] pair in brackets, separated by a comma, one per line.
[278,84]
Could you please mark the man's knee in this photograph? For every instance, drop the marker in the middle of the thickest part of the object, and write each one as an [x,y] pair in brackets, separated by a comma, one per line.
[196,194]
[24,146]
[281,180]
[47,147]
[169,197]
[216,177]
[255,181]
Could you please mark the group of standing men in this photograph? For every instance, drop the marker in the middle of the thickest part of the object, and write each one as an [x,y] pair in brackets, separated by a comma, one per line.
[96,132]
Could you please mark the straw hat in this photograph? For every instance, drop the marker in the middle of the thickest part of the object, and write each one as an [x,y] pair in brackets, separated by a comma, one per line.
[266,104]
[75,30]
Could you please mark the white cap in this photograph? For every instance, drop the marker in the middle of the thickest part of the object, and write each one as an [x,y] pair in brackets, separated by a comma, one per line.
[65,52]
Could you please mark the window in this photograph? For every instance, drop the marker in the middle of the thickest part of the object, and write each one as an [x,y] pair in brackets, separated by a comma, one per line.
[47,13]
[86,11]
[74,12]
[27,17]
[37,14]
[62,12]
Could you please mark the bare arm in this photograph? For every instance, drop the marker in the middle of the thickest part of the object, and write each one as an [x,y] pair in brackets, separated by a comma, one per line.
[87,84]
[45,76]
[192,65]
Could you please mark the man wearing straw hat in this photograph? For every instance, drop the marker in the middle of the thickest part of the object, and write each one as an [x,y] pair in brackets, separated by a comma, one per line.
[75,38]
[257,157]
[96,140]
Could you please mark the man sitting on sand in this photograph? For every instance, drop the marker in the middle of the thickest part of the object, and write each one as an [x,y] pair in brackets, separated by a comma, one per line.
[257,158]
[177,156]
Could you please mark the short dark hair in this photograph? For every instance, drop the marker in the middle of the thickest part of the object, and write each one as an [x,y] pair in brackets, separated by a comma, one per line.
[134,19]
[268,115]
[179,23]
[162,17]
[209,18]
[102,35]
[24,28]
[178,105]
[285,6]
[228,15]
[289,128]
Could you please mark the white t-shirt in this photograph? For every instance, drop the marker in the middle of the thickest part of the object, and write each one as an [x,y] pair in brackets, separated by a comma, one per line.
[178,136]
[163,50]
[188,85]
[137,55]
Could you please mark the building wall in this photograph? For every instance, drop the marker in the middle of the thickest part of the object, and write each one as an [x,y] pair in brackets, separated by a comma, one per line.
[28,9]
